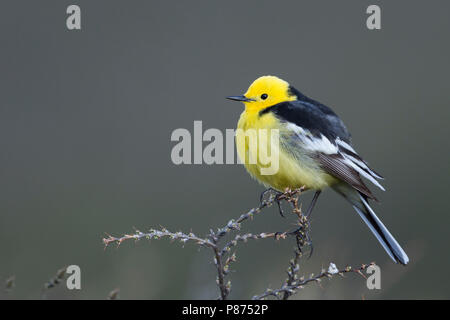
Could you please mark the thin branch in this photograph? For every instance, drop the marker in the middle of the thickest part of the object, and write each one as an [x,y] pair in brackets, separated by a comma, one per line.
[236,224]
[114,294]
[10,283]
[224,289]
[245,237]
[154,234]
[54,281]
[292,273]
[222,252]
[292,287]
[57,279]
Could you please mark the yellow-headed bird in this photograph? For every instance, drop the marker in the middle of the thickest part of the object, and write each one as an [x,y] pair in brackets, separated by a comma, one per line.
[314,150]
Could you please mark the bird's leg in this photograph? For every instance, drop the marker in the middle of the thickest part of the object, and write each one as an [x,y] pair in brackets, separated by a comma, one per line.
[277,199]
[302,238]
[312,204]
[261,197]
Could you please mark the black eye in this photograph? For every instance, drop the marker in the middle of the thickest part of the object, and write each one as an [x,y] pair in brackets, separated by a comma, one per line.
[264,96]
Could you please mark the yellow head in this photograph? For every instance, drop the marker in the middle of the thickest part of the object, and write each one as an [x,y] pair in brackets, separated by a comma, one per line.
[264,92]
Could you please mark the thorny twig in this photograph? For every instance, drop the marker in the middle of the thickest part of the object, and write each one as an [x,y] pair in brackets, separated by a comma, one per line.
[222,254]
[114,294]
[59,276]
[292,285]
[292,273]
[10,283]
[54,281]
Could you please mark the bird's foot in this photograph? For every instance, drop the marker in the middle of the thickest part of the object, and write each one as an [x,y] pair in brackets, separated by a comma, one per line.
[277,198]
[302,238]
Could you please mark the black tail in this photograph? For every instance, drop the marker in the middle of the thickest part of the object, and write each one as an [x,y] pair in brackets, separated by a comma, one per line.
[360,204]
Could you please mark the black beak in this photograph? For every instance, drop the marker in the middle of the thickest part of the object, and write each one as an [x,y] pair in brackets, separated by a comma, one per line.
[240,98]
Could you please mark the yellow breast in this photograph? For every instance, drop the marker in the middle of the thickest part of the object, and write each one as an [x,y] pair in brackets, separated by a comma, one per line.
[262,144]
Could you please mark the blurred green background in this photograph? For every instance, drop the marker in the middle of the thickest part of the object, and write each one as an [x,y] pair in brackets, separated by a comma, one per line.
[86,118]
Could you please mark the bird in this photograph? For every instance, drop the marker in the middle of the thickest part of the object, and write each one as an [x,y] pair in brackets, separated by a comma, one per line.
[314,151]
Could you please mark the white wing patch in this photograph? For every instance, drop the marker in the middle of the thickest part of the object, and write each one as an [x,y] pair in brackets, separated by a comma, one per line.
[323,145]
[357,164]
[313,143]
[345,145]
[362,172]
[361,164]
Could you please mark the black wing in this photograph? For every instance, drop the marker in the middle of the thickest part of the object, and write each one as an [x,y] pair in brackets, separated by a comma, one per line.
[320,121]
[310,115]
[337,166]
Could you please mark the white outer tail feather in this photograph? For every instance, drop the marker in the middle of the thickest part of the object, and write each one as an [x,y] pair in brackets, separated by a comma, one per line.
[398,254]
